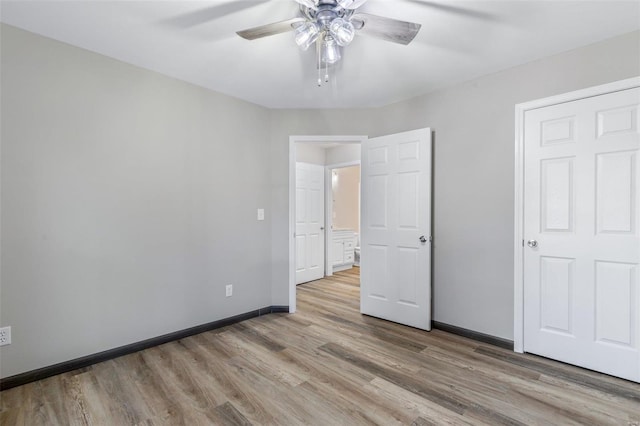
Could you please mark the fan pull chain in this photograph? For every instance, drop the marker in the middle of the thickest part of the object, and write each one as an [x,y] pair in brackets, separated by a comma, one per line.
[319,50]
[326,72]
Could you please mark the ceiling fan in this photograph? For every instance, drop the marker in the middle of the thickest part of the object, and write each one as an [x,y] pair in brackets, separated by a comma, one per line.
[332,25]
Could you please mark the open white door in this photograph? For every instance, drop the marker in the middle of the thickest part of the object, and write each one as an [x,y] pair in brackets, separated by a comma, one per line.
[395,242]
[581,228]
[309,222]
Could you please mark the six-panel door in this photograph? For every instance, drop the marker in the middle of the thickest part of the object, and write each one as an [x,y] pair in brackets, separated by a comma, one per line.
[309,222]
[582,245]
[395,264]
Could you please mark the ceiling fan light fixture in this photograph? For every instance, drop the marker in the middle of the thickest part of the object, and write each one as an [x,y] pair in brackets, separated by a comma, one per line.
[306,34]
[331,25]
[330,53]
[342,31]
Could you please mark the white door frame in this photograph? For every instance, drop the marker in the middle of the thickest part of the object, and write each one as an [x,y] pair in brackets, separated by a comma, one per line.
[292,200]
[518,243]
[328,203]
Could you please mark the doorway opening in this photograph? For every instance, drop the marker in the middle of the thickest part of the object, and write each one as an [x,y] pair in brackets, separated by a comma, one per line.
[334,154]
[395,223]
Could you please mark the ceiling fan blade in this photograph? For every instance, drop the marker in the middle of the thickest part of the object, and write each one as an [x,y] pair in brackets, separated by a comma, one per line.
[207,14]
[351,4]
[385,28]
[471,13]
[270,29]
[308,3]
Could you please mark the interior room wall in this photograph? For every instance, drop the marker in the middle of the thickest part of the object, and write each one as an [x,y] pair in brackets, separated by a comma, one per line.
[310,153]
[345,184]
[124,215]
[343,153]
[128,203]
[473,172]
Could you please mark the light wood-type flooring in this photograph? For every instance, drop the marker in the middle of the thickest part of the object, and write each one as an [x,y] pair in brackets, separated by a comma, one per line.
[325,365]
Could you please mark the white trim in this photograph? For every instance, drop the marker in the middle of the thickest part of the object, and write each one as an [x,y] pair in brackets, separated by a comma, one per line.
[518,256]
[292,225]
[518,252]
[328,219]
[292,199]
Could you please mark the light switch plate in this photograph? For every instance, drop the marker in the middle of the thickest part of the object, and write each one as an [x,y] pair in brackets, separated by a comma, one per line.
[260,214]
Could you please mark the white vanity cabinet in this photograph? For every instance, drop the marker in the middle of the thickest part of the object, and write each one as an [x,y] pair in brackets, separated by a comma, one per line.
[342,249]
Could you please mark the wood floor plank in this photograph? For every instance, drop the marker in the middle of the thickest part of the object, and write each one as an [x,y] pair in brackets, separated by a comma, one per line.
[343,389]
[268,364]
[630,392]
[325,365]
[277,403]
[407,382]
[98,408]
[121,391]
[416,404]
[182,383]
[621,405]
[231,416]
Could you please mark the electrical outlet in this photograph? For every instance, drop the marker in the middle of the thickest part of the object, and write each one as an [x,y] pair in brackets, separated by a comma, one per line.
[229,290]
[5,336]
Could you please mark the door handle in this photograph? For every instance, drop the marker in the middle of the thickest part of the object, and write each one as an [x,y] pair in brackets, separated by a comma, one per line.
[322,228]
[423,239]
[532,243]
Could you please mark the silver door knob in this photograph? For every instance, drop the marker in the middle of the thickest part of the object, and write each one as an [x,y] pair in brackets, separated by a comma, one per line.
[322,228]
[423,239]
[532,243]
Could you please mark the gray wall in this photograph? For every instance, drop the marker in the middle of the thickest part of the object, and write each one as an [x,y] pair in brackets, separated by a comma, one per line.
[128,203]
[345,153]
[311,154]
[473,172]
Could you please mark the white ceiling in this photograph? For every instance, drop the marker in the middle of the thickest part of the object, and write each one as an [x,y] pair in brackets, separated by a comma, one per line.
[195,41]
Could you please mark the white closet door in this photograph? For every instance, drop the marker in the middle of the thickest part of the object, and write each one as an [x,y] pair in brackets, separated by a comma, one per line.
[395,264]
[581,229]
[309,222]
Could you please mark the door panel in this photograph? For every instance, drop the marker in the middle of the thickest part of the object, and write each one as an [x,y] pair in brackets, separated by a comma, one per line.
[616,318]
[615,200]
[581,193]
[557,195]
[556,288]
[395,266]
[309,222]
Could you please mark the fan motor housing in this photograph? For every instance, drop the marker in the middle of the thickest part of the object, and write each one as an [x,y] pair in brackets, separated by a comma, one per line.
[327,11]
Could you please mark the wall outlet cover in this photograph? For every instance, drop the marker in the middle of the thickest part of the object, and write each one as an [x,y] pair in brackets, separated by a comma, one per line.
[5,336]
